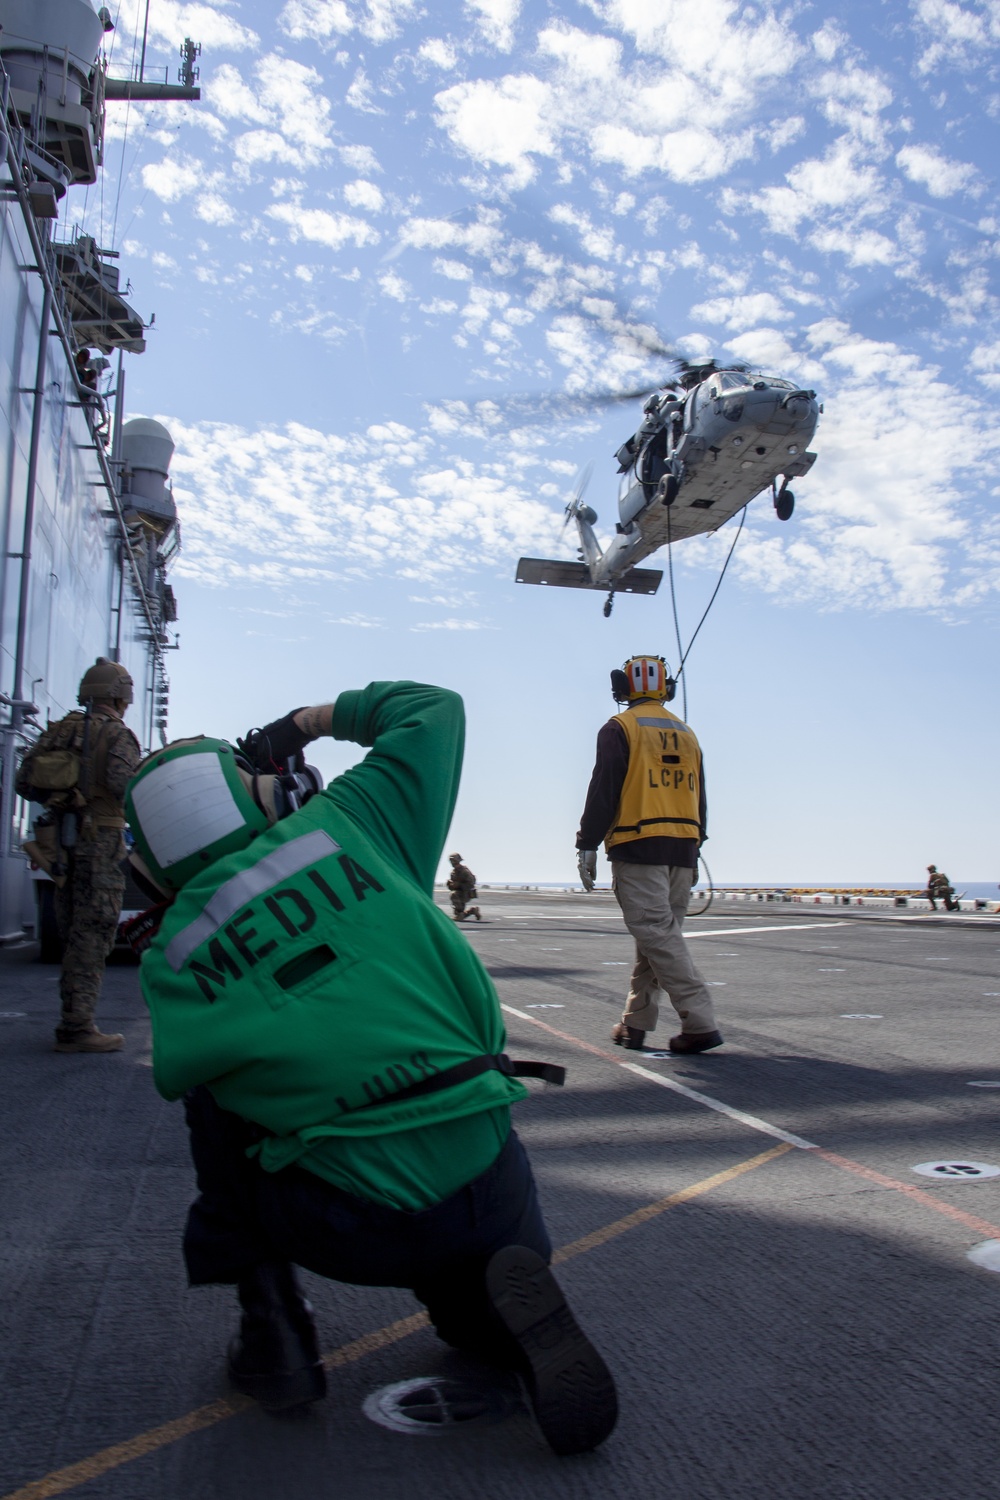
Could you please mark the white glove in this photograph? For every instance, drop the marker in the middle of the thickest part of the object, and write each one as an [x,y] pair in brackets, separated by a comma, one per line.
[586,863]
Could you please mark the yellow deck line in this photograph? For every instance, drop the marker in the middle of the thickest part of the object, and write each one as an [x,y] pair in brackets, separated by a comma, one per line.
[59,1481]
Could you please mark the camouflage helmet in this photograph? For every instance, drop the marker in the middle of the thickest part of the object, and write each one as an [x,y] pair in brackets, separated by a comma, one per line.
[107,681]
[456,859]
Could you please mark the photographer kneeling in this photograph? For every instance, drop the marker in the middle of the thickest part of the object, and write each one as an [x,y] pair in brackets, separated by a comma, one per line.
[340,1047]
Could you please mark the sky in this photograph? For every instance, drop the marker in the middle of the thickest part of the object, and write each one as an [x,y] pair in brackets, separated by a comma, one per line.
[393,237]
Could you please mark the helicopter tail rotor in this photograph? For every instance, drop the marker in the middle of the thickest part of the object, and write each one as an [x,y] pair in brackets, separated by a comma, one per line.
[575,507]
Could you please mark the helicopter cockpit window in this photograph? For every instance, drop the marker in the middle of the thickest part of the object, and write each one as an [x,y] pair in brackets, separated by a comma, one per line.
[731,381]
[783,385]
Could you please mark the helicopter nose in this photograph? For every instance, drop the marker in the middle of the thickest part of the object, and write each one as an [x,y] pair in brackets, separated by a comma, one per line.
[799,401]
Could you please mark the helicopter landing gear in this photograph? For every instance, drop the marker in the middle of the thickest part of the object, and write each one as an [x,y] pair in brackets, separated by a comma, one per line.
[669,485]
[609,605]
[784,503]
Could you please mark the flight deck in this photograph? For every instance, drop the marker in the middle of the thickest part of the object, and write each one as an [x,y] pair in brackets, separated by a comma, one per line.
[789,1308]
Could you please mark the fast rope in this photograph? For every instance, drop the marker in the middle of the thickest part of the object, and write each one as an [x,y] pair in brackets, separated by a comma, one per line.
[709,896]
[684,654]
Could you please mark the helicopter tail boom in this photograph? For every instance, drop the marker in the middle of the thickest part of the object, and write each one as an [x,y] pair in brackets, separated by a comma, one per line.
[576,575]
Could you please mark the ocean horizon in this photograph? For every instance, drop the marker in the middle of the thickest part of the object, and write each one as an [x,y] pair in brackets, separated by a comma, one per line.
[988,890]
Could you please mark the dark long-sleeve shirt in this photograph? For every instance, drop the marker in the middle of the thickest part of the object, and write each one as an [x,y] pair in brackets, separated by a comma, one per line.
[603,797]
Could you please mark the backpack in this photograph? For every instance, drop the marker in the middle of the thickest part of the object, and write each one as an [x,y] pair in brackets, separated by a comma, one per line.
[50,769]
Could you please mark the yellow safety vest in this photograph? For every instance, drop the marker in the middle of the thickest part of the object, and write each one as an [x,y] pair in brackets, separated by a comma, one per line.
[662,787]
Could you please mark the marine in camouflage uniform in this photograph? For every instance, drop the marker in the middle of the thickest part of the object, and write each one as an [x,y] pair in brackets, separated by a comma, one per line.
[940,888]
[462,884]
[88,906]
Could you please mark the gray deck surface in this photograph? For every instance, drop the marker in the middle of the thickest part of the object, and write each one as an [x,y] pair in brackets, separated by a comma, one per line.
[798,1329]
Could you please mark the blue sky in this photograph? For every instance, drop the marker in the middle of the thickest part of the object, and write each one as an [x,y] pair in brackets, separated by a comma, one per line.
[386,219]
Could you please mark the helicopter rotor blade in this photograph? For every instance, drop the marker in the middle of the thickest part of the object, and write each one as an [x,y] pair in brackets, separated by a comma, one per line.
[580,484]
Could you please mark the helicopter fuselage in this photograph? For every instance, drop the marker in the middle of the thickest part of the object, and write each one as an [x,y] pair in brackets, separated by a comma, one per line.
[694,463]
[698,457]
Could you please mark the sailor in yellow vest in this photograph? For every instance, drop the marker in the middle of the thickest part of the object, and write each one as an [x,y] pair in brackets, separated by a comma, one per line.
[646,802]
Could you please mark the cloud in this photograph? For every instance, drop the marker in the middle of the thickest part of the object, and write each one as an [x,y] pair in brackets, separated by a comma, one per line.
[364,195]
[958,35]
[683,110]
[323,227]
[286,103]
[438,52]
[171,179]
[329,20]
[359,158]
[937,173]
[883,520]
[742,312]
[169,20]
[275,505]
[452,625]
[394,286]
[496,20]
[499,123]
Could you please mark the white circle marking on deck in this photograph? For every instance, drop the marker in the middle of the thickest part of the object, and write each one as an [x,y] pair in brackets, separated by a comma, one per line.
[548,1005]
[957,1171]
[649,1052]
[432,1406]
[986,1254]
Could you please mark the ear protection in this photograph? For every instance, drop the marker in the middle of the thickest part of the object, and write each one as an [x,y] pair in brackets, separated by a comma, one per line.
[643,677]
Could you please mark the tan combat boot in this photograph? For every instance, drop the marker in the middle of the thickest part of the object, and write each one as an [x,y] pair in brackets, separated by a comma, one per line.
[92,1041]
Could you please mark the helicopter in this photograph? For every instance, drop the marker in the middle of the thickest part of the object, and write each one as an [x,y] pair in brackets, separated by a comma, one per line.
[710,440]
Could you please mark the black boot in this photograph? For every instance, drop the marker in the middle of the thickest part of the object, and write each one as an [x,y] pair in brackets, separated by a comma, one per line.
[275,1357]
[569,1386]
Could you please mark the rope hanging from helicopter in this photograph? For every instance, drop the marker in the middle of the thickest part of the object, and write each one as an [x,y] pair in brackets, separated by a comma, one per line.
[683,654]
[682,658]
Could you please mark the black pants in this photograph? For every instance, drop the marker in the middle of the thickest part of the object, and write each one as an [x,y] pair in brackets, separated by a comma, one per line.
[244,1216]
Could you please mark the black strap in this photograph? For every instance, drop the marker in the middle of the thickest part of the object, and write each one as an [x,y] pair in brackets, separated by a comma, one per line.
[489,1062]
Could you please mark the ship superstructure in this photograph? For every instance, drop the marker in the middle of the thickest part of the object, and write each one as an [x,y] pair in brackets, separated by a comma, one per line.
[88,519]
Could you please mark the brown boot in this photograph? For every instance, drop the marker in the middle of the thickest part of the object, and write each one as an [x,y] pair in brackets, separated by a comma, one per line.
[90,1041]
[695,1041]
[629,1037]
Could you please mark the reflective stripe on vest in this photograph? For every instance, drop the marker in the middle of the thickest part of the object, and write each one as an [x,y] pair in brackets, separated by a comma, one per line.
[271,868]
[661,792]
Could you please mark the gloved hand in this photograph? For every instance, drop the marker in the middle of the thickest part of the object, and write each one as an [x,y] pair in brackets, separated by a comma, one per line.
[586,863]
[272,747]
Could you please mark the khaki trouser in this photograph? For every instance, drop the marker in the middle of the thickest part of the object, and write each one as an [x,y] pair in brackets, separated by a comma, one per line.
[654,900]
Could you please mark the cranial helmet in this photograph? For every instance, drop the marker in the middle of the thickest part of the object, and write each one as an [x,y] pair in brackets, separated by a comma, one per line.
[197,800]
[643,677]
[107,681]
[188,805]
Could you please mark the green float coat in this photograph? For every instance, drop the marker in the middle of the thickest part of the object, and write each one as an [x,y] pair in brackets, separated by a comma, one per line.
[311,973]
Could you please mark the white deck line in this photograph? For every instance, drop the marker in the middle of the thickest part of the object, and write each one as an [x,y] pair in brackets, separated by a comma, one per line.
[719,932]
[753,1121]
[787,927]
